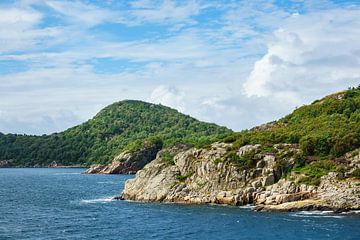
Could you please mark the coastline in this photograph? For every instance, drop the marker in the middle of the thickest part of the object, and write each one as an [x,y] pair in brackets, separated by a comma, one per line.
[77,166]
[197,176]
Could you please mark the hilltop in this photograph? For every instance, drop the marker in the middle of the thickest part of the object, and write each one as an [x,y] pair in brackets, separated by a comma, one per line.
[327,128]
[125,125]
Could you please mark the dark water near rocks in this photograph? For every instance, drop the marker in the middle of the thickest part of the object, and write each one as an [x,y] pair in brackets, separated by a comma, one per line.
[64,204]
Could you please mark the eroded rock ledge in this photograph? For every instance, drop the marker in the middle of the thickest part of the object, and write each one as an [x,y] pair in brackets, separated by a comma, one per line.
[200,176]
[126,162]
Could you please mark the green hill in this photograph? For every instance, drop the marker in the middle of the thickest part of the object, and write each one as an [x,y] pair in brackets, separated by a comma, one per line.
[327,128]
[125,125]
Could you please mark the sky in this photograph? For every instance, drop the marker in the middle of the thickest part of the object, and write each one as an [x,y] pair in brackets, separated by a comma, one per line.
[235,63]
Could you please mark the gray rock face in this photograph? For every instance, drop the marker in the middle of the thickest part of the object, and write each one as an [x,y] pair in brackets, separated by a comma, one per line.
[5,163]
[126,162]
[199,176]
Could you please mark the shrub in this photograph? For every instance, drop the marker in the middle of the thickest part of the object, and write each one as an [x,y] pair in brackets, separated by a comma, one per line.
[318,168]
[307,145]
[356,173]
[309,181]
[182,178]
[167,157]
[244,162]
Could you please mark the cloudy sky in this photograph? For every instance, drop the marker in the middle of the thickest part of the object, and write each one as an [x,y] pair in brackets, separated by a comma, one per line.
[235,63]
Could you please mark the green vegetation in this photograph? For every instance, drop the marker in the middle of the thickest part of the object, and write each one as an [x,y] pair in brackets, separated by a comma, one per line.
[167,157]
[182,178]
[244,162]
[327,128]
[315,170]
[125,125]
[356,173]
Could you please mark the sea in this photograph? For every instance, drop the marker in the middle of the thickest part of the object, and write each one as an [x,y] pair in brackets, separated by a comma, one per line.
[62,203]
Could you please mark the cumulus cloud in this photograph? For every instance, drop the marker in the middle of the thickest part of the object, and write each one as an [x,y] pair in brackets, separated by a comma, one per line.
[309,56]
[236,63]
[168,96]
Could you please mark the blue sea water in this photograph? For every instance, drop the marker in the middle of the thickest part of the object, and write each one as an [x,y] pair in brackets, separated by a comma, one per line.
[64,204]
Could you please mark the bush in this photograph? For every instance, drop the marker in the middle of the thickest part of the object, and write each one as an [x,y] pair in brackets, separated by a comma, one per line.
[356,173]
[182,178]
[244,162]
[309,181]
[307,145]
[318,168]
[167,157]
[345,144]
[315,171]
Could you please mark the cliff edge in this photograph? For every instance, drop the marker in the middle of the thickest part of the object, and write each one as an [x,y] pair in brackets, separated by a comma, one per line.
[270,180]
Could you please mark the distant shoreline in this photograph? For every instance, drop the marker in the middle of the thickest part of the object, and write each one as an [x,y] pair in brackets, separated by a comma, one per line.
[45,167]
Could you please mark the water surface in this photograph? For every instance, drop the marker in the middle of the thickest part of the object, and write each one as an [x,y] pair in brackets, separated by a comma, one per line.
[64,204]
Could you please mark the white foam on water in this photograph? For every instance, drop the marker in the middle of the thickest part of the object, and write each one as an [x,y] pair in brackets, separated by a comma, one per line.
[247,206]
[351,212]
[98,200]
[317,214]
[66,173]
[107,182]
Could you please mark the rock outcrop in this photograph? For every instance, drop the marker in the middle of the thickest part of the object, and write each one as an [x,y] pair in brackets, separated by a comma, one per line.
[200,176]
[126,162]
[5,163]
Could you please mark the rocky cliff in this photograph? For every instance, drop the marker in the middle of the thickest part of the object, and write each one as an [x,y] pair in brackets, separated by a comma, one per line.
[126,162]
[268,180]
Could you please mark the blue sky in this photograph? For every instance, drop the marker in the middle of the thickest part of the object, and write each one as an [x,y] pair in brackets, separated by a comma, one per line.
[235,63]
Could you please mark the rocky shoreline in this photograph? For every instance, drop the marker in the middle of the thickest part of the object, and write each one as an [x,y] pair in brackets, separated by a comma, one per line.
[202,176]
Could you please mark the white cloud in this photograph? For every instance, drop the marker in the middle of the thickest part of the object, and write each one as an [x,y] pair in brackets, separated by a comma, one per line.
[84,15]
[19,30]
[165,12]
[310,56]
[197,67]
[19,17]
[168,96]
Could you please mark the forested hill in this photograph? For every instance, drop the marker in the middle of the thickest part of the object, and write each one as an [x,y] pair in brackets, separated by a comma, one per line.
[327,128]
[125,125]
